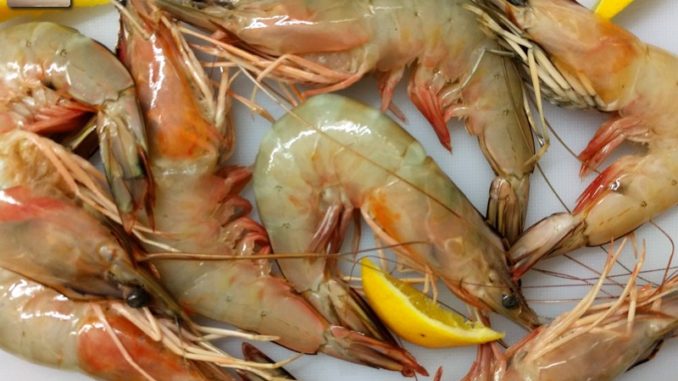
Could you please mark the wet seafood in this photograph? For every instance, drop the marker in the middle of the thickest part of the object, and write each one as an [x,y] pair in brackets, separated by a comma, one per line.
[198,209]
[53,79]
[43,326]
[584,61]
[591,342]
[51,233]
[42,222]
[318,166]
[455,72]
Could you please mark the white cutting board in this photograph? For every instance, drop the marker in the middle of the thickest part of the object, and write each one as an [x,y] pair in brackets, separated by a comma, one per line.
[653,20]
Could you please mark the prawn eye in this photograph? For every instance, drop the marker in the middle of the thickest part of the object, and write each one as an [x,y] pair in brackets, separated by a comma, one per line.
[509,301]
[138,298]
[518,3]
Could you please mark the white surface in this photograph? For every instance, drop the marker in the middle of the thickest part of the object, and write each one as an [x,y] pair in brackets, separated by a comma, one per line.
[651,20]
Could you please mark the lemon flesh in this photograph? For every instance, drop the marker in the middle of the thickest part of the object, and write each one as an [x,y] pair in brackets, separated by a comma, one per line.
[417,318]
[610,8]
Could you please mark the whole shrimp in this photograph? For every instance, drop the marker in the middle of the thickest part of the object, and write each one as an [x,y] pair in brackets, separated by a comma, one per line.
[582,60]
[198,209]
[53,79]
[48,235]
[454,70]
[593,341]
[319,165]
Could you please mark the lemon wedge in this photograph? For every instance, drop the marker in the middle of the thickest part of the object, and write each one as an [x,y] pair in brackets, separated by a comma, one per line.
[7,13]
[417,318]
[610,8]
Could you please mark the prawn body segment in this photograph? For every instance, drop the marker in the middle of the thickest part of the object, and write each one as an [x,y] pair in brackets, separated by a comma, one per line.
[55,79]
[332,151]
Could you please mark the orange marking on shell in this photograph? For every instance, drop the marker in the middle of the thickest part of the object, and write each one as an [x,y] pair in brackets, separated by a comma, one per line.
[299,203]
[99,356]
[176,125]
[384,215]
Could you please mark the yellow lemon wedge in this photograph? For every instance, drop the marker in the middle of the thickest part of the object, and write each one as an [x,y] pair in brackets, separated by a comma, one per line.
[610,8]
[7,13]
[417,318]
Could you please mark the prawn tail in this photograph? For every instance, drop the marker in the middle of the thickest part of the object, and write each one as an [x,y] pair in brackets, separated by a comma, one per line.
[124,153]
[341,305]
[253,354]
[426,97]
[507,206]
[556,234]
[488,363]
[356,347]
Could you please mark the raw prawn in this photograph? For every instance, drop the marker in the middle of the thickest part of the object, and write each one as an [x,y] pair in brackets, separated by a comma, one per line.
[42,224]
[53,79]
[585,61]
[319,165]
[591,342]
[198,209]
[455,71]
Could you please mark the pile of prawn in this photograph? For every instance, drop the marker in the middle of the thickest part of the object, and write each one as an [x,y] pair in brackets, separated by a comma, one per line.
[126,258]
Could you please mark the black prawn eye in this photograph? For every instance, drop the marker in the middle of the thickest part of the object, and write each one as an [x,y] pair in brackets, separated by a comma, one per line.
[138,298]
[509,301]
[518,3]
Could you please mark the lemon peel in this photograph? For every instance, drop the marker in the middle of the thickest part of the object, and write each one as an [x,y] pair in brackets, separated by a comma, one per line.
[610,8]
[417,318]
